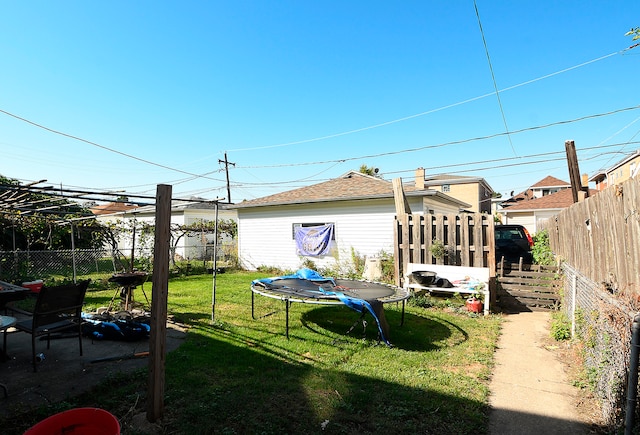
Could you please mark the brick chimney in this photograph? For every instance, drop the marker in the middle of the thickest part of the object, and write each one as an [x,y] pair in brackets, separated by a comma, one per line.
[420,179]
[585,180]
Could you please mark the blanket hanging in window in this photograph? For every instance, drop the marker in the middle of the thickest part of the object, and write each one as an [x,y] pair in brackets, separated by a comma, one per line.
[314,241]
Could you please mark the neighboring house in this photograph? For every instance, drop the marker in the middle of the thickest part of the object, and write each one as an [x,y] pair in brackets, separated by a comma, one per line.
[182,213]
[544,187]
[472,190]
[357,209]
[627,168]
[519,208]
[532,213]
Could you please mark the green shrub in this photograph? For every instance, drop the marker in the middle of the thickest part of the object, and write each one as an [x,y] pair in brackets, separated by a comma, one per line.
[542,253]
[560,326]
[423,301]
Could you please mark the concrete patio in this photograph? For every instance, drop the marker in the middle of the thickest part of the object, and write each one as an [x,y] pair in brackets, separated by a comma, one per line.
[64,373]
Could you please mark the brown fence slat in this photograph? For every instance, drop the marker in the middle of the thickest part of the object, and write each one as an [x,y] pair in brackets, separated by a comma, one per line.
[530,288]
[600,235]
[532,282]
[468,238]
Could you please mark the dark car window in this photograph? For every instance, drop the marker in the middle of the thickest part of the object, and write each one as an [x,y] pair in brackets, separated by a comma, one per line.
[512,243]
[509,233]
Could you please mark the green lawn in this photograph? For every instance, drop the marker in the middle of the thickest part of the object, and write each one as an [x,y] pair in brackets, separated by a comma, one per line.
[242,376]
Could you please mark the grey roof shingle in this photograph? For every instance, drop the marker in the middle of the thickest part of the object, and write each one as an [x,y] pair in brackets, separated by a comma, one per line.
[559,200]
[350,186]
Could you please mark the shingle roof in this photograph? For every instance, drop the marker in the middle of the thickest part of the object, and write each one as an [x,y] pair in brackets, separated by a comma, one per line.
[527,195]
[550,181]
[350,186]
[559,200]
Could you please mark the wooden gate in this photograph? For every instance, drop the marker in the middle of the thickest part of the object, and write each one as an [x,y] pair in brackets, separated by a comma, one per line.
[530,287]
[465,239]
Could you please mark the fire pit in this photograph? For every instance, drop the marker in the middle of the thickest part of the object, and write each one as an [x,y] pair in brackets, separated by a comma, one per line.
[127,282]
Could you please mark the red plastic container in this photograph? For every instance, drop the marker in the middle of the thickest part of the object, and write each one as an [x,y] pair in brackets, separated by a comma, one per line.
[79,421]
[34,286]
[474,305]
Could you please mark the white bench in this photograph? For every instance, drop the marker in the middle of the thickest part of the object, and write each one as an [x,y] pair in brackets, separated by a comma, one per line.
[456,275]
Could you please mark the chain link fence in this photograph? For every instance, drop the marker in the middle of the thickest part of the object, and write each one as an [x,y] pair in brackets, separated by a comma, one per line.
[20,266]
[601,321]
[29,265]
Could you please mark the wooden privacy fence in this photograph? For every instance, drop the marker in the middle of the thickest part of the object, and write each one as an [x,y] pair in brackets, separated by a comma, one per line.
[531,288]
[600,236]
[465,239]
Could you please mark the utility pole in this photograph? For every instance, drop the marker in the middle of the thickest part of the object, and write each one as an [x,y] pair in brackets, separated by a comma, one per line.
[578,190]
[226,170]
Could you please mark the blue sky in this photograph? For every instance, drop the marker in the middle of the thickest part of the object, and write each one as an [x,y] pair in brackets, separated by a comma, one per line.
[124,95]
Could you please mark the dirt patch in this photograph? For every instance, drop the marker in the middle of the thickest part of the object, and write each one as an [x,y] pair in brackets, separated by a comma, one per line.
[570,355]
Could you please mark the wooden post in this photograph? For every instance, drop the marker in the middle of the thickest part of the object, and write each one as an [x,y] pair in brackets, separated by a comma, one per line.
[402,205]
[402,215]
[160,289]
[574,172]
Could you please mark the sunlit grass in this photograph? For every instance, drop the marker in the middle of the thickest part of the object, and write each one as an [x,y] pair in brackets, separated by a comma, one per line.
[238,375]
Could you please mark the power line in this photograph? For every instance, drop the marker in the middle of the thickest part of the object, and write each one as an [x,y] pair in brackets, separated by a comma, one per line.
[530,156]
[467,164]
[428,112]
[444,144]
[493,78]
[70,136]
[332,135]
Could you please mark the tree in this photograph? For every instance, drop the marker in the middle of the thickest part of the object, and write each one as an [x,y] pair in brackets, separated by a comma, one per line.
[36,221]
[141,236]
[635,32]
[374,172]
[202,228]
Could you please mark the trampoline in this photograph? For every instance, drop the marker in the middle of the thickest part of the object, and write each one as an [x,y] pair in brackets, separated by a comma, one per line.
[308,287]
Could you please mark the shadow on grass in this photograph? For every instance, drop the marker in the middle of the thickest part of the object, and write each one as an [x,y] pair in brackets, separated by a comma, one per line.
[237,386]
[241,385]
[245,377]
[342,323]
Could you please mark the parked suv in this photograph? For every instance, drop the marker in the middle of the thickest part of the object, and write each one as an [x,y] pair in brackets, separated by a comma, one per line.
[513,242]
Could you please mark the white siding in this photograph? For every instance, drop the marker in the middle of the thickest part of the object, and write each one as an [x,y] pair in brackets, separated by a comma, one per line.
[194,246]
[526,219]
[432,205]
[265,234]
[543,216]
[188,247]
[531,220]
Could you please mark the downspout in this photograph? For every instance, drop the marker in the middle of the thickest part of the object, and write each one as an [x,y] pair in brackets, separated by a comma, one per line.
[632,383]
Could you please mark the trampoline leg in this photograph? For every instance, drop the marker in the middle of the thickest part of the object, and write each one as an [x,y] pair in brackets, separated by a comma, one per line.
[253,316]
[402,317]
[360,319]
[286,301]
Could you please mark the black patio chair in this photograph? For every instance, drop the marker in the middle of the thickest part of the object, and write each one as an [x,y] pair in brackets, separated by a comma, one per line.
[57,309]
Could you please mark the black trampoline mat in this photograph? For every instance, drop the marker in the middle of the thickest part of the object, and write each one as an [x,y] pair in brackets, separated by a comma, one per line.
[318,289]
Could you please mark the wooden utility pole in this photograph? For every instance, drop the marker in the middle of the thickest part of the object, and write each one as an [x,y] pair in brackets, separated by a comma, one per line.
[159,291]
[226,170]
[402,205]
[574,172]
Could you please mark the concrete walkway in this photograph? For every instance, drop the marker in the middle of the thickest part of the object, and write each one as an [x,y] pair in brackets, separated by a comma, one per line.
[530,392]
